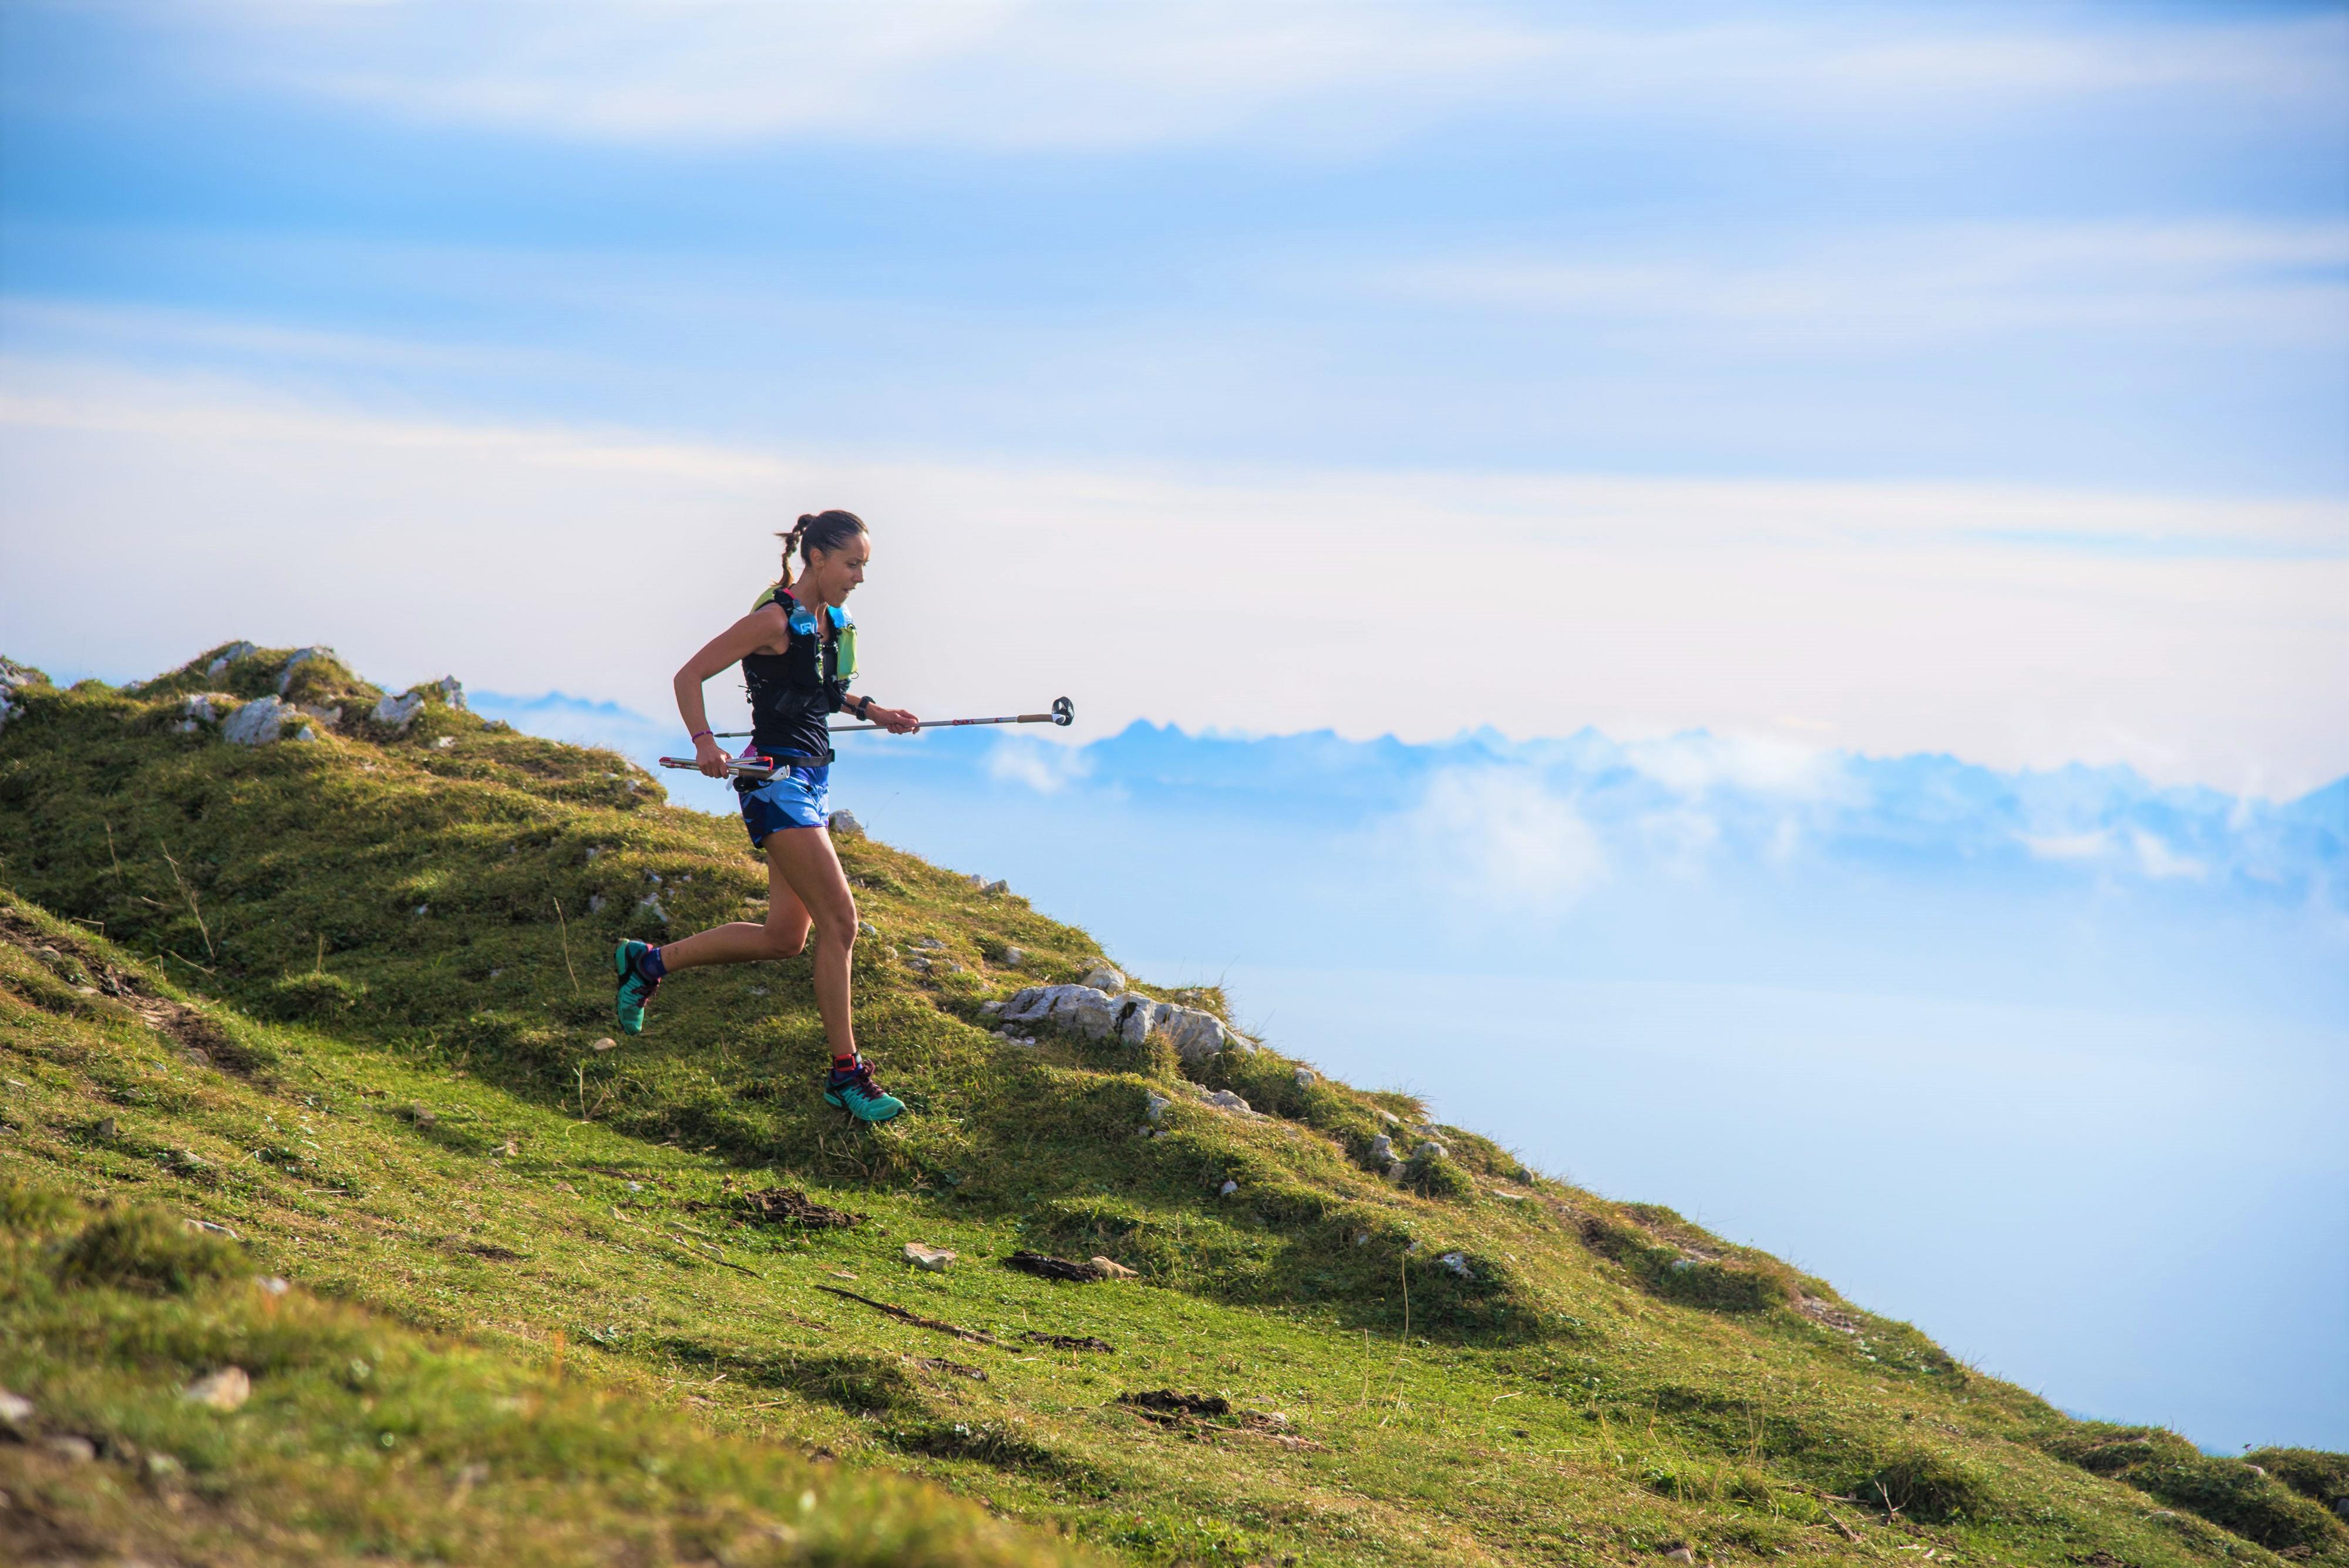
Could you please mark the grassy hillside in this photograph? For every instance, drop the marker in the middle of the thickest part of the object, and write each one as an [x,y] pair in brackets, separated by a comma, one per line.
[340,1001]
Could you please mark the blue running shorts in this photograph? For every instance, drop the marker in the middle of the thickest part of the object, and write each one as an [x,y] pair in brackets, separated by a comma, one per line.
[793,798]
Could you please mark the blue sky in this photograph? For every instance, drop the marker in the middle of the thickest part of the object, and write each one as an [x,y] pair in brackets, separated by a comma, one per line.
[1852,387]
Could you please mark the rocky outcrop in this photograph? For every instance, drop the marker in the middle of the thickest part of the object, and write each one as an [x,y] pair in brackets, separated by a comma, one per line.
[399,712]
[1091,1013]
[396,713]
[228,656]
[258,723]
[295,661]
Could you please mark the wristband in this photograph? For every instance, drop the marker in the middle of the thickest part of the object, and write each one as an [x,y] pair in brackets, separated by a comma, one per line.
[698,734]
[865,709]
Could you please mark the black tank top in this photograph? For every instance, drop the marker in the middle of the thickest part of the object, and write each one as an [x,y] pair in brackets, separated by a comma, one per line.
[792,693]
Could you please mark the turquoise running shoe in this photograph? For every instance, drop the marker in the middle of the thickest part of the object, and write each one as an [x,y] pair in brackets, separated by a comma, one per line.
[854,1091]
[636,988]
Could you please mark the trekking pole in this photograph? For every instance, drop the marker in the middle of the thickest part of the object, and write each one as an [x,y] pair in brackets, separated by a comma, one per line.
[1064,713]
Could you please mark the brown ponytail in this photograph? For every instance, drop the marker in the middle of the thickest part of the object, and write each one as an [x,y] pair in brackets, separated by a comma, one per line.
[825,531]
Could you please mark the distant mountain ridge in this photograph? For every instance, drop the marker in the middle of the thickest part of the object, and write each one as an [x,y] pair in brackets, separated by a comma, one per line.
[1689,792]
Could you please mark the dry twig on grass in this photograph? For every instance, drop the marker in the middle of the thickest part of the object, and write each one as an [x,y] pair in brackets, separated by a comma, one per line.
[916,1319]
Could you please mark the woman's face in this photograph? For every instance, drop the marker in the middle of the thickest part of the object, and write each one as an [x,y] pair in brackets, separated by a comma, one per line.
[833,575]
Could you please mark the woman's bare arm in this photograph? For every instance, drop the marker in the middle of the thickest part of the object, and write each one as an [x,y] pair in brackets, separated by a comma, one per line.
[754,631]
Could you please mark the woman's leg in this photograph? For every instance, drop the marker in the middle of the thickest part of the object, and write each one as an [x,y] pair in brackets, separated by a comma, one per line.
[784,935]
[803,858]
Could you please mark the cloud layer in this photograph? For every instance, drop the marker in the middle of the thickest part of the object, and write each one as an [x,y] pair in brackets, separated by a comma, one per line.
[2196,641]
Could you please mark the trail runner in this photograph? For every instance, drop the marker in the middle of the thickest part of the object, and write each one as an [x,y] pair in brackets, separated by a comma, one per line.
[797,652]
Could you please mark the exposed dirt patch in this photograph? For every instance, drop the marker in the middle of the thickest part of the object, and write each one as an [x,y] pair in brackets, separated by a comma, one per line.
[1070,1342]
[1842,1322]
[1171,1403]
[204,1040]
[788,1206]
[953,1369]
[1050,1268]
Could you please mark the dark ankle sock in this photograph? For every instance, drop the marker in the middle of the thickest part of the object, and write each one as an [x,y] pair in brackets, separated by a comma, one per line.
[650,965]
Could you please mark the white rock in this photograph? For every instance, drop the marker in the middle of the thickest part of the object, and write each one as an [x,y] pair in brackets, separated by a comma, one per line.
[594,903]
[932,1259]
[223,1390]
[995,889]
[257,723]
[846,826]
[990,1007]
[444,743]
[300,656]
[1154,1106]
[1112,1268]
[453,691]
[1391,1119]
[1014,957]
[650,903]
[1228,1189]
[1307,1078]
[200,706]
[867,929]
[1382,1150]
[1224,1100]
[1361,1238]
[1197,1035]
[401,712]
[1456,1262]
[1431,1149]
[1082,1010]
[14,1410]
[929,944]
[228,656]
[975,879]
[303,734]
[1105,977]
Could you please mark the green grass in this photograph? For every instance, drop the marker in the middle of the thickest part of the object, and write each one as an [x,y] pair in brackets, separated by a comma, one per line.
[322,995]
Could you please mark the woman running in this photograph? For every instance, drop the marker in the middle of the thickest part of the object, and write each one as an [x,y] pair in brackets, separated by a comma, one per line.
[797,652]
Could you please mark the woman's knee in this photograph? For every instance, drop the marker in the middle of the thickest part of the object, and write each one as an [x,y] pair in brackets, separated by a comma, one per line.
[784,941]
[835,929]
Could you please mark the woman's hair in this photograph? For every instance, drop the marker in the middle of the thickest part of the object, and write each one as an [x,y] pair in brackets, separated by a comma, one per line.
[825,531]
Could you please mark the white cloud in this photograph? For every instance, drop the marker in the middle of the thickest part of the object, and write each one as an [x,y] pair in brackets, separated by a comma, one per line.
[1692,763]
[1502,838]
[1033,76]
[1886,287]
[2161,862]
[1897,617]
[1045,768]
[2092,846]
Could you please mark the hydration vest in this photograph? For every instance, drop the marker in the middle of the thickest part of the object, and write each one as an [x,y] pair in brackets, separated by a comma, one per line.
[811,662]
[792,692]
